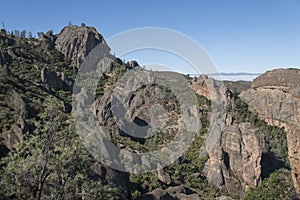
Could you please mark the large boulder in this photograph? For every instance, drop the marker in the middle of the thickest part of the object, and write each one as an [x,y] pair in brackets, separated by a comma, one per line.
[275,97]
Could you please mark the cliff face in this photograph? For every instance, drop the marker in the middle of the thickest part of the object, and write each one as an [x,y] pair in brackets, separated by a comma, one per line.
[76,42]
[275,97]
[235,150]
[234,161]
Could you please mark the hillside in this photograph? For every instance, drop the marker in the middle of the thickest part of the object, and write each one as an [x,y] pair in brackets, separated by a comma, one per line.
[241,146]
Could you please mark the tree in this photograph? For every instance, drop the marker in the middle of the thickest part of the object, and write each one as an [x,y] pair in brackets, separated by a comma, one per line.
[23,34]
[30,35]
[17,33]
[51,162]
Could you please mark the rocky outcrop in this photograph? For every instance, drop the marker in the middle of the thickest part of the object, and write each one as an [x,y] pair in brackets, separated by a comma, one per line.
[57,80]
[210,88]
[234,158]
[234,150]
[289,78]
[15,134]
[48,38]
[2,61]
[275,97]
[163,176]
[5,60]
[76,42]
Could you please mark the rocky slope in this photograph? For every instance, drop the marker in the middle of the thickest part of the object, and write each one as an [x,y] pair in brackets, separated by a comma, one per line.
[275,97]
[225,157]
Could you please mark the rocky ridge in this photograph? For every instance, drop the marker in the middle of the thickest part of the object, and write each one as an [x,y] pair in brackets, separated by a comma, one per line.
[234,150]
[275,97]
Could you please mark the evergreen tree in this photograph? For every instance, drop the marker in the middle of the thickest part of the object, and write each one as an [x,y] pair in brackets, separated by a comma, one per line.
[51,163]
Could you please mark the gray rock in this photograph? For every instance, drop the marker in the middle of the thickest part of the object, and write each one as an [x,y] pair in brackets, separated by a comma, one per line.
[234,160]
[57,80]
[48,38]
[12,136]
[275,97]
[15,134]
[163,176]
[76,42]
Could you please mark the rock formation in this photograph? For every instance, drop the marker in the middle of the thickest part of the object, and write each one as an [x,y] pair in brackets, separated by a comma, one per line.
[76,42]
[57,80]
[234,160]
[234,150]
[5,60]
[15,134]
[275,97]
[2,61]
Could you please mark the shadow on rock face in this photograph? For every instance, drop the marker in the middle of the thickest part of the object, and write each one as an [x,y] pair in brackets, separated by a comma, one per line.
[269,164]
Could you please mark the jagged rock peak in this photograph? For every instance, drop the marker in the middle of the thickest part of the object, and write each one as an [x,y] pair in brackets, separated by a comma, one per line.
[76,42]
[278,77]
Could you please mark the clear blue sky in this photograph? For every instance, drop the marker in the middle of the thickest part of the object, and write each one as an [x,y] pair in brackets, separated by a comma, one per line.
[239,35]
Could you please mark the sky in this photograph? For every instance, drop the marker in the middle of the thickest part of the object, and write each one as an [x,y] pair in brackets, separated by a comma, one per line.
[238,35]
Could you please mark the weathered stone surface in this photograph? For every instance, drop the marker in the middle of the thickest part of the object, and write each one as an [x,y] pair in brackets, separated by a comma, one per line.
[234,150]
[76,42]
[12,136]
[2,61]
[49,38]
[11,53]
[234,160]
[210,88]
[57,80]
[163,176]
[274,96]
[289,78]
[15,134]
